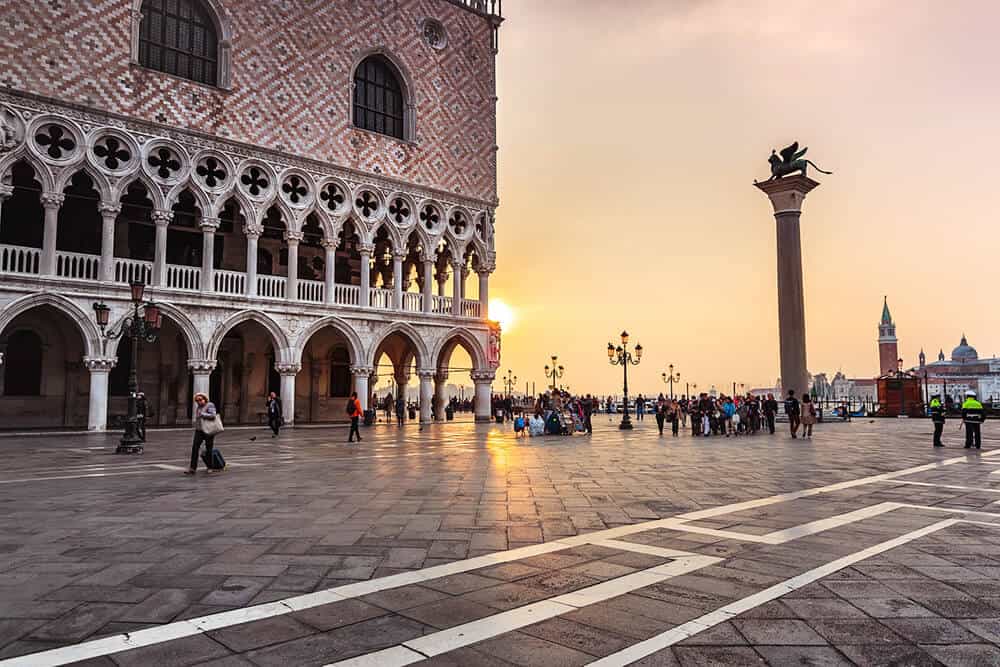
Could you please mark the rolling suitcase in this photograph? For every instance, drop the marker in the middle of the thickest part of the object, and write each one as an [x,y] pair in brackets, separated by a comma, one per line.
[217,462]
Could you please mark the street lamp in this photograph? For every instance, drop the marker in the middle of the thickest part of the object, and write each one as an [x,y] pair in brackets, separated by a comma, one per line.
[670,378]
[620,356]
[555,372]
[145,325]
[509,383]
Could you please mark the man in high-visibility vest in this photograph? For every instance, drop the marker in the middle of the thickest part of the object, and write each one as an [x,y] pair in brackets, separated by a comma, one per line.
[972,417]
[937,416]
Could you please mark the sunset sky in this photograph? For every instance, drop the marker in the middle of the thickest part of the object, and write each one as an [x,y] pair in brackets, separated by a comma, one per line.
[630,133]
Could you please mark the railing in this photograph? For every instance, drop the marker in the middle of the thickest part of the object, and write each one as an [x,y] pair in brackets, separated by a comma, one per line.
[413,302]
[78,265]
[230,282]
[471,308]
[381,298]
[311,290]
[441,304]
[184,277]
[347,295]
[19,259]
[272,287]
[487,7]
[133,270]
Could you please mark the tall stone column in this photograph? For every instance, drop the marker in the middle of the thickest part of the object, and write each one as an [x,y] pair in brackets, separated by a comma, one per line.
[208,228]
[484,292]
[397,280]
[361,375]
[6,191]
[292,282]
[99,367]
[52,201]
[288,373]
[161,219]
[201,373]
[457,272]
[109,214]
[426,395]
[484,394]
[330,271]
[439,400]
[786,195]
[428,287]
[252,232]
[365,249]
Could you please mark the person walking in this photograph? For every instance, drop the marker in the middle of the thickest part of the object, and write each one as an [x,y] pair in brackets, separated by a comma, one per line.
[400,409]
[141,405]
[770,410]
[938,418]
[661,413]
[204,412]
[673,416]
[355,418]
[793,411]
[588,414]
[972,418]
[640,407]
[274,413]
[808,416]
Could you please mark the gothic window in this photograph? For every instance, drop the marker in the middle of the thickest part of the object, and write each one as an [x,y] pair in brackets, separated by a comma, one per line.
[378,97]
[22,218]
[178,37]
[340,373]
[23,361]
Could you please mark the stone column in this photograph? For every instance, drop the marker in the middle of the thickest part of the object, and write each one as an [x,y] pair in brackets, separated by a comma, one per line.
[201,372]
[161,219]
[99,367]
[208,228]
[484,293]
[484,394]
[786,195]
[52,201]
[439,400]
[465,278]
[330,269]
[366,250]
[426,396]
[397,280]
[109,214]
[288,373]
[292,283]
[442,278]
[5,192]
[361,375]
[428,286]
[252,232]
[457,271]
[402,378]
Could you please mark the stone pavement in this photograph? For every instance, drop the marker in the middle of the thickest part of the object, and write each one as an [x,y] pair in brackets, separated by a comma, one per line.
[461,545]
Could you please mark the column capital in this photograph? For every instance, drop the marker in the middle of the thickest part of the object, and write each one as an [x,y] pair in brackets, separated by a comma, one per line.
[6,191]
[110,208]
[288,369]
[293,237]
[100,364]
[330,244]
[486,270]
[483,377]
[209,224]
[399,255]
[364,248]
[162,218]
[52,200]
[788,193]
[201,366]
[252,230]
[428,257]
[362,370]
[426,374]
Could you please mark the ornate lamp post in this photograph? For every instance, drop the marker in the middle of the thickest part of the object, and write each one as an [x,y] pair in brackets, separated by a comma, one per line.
[509,381]
[620,356]
[670,378]
[555,373]
[143,324]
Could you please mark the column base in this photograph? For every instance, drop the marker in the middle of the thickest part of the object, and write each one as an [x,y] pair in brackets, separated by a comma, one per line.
[483,419]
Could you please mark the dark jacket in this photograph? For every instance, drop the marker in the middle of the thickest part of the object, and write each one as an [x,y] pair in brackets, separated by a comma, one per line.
[937,411]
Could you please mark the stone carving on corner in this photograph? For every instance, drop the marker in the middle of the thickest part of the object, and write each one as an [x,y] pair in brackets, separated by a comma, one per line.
[11,130]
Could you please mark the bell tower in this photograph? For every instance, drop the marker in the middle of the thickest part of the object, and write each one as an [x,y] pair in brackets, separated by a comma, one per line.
[888,345]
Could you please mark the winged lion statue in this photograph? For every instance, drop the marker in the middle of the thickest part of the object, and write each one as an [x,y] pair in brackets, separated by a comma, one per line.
[791,160]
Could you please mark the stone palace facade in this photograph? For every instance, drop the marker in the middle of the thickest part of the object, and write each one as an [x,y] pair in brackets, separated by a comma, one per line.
[307,188]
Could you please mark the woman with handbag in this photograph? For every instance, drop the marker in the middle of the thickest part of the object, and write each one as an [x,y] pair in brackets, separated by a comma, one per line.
[207,424]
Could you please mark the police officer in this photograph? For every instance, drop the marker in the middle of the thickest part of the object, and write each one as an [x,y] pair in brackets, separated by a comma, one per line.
[972,417]
[937,416]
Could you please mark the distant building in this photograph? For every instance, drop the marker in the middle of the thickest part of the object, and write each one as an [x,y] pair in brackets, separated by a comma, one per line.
[962,372]
[888,345]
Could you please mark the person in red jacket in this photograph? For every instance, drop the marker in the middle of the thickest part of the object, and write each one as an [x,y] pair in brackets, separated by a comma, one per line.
[355,417]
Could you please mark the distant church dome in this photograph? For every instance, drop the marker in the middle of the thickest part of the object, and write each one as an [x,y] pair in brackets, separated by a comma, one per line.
[964,351]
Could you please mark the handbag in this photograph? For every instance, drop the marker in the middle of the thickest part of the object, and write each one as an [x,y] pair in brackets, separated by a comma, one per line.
[212,426]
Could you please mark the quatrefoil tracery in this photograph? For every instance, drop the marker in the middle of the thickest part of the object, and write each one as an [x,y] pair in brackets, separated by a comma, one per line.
[399,210]
[164,162]
[333,195]
[367,203]
[56,141]
[113,153]
[458,223]
[255,181]
[430,217]
[295,189]
[212,172]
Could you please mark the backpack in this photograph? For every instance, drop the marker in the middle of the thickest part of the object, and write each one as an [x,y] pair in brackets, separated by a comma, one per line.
[350,407]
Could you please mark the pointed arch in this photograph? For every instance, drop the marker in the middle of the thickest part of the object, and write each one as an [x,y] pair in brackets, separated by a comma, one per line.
[391,231]
[283,351]
[99,180]
[152,191]
[42,173]
[406,330]
[381,57]
[465,338]
[246,206]
[85,321]
[173,197]
[192,338]
[221,22]
[355,346]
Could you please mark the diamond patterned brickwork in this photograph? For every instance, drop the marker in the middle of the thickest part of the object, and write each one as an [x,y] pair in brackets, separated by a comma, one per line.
[291,80]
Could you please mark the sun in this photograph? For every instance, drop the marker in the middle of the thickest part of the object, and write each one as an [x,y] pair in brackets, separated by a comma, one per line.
[502,313]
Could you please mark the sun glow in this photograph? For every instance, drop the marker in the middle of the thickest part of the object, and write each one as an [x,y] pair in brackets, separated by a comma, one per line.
[502,313]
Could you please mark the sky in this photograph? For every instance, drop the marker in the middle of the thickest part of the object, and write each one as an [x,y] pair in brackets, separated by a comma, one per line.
[630,134]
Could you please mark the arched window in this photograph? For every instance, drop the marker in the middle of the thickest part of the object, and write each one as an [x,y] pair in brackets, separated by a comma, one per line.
[178,37]
[378,97]
[23,361]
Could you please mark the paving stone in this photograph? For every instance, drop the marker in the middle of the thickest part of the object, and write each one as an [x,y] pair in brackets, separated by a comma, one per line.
[507,596]
[781,632]
[510,571]
[883,655]
[577,636]
[248,636]
[811,656]
[823,608]
[236,591]
[966,655]
[338,614]
[79,623]
[404,597]
[931,630]
[662,658]
[605,617]
[162,606]
[176,653]
[854,631]
[895,607]
[457,584]
[723,634]
[987,628]
[716,656]
[521,649]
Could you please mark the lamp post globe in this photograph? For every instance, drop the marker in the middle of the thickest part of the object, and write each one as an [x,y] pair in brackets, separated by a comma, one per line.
[620,356]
